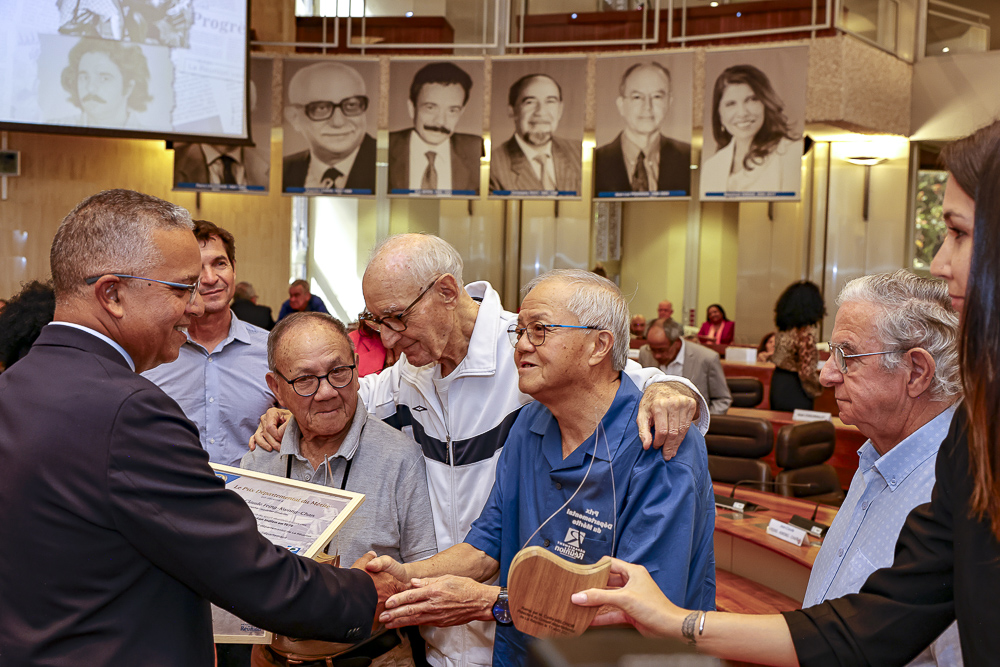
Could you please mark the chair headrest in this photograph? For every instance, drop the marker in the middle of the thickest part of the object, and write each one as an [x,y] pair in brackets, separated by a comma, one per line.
[745,437]
[808,444]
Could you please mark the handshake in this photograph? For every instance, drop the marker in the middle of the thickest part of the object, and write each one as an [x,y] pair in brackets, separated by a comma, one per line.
[405,598]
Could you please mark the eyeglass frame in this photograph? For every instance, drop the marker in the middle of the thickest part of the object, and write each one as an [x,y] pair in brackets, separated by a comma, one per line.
[836,348]
[377,322]
[514,332]
[190,288]
[364,101]
[319,379]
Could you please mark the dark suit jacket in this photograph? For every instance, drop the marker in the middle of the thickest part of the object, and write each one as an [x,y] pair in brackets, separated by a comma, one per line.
[466,149]
[362,176]
[248,311]
[612,175]
[190,166]
[116,534]
[510,168]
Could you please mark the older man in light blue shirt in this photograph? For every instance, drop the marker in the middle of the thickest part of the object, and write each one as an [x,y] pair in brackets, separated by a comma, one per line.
[218,378]
[894,370]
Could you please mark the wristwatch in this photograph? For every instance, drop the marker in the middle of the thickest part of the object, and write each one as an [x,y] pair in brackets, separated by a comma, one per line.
[501,608]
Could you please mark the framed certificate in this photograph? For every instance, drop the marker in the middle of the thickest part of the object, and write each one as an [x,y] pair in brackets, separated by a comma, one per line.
[299,516]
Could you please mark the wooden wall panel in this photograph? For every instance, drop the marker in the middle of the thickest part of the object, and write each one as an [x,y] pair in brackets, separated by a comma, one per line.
[59,171]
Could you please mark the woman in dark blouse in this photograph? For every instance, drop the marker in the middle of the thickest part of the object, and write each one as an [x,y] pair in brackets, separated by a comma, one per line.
[947,563]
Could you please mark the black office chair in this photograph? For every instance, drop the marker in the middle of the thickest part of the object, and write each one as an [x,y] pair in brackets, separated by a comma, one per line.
[747,392]
[735,447]
[802,451]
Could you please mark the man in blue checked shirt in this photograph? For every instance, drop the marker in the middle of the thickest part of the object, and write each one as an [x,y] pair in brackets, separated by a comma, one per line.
[218,377]
[572,477]
[894,370]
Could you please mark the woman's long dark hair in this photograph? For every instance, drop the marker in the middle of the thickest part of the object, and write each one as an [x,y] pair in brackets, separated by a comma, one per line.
[775,127]
[800,305]
[979,347]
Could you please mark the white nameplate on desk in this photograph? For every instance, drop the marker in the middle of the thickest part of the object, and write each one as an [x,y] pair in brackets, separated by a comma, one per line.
[810,416]
[787,532]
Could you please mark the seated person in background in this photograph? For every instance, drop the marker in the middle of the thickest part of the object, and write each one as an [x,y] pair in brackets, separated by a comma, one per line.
[637,326]
[570,348]
[664,312]
[330,440]
[301,301]
[894,369]
[717,328]
[667,350]
[245,307]
[22,319]
[372,355]
[795,381]
[765,351]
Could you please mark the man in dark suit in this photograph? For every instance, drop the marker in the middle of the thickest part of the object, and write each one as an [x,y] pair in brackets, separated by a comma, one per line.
[219,165]
[117,532]
[327,104]
[419,157]
[247,309]
[534,158]
[641,159]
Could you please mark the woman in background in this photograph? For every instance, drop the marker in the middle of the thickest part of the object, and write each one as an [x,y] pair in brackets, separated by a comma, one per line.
[795,381]
[765,351]
[752,136]
[717,329]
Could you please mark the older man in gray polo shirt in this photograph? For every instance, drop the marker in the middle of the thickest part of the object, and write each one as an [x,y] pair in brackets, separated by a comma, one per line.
[330,440]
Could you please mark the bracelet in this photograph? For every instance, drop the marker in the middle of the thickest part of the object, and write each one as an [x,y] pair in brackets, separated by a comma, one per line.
[688,626]
[701,626]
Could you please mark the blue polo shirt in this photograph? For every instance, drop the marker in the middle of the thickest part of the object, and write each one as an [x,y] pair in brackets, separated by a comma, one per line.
[664,512]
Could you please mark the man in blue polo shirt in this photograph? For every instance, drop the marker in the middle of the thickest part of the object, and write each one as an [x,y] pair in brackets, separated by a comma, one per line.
[571,343]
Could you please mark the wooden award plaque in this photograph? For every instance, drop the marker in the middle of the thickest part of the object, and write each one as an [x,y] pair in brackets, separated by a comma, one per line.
[539,586]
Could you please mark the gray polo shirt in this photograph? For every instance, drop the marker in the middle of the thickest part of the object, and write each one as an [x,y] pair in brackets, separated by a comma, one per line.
[395,519]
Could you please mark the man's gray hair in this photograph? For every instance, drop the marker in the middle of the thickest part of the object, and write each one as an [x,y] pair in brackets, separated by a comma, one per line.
[287,326]
[111,232]
[671,329]
[913,312]
[244,290]
[596,302]
[427,256]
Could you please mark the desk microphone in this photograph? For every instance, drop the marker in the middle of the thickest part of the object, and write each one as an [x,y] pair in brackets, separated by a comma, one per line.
[732,504]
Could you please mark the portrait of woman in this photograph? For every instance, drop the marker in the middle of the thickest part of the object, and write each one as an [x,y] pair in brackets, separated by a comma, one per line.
[757,148]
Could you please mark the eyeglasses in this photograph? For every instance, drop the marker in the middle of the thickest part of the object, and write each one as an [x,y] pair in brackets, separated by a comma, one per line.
[837,354]
[193,289]
[536,331]
[307,385]
[323,110]
[394,322]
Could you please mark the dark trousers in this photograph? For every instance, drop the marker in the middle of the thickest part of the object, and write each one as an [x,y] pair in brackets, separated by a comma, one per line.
[787,394]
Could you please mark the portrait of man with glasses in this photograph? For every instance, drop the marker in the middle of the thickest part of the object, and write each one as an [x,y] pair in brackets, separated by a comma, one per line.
[327,106]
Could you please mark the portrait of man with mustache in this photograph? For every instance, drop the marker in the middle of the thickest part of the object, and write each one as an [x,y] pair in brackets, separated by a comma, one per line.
[431,156]
[534,159]
[109,82]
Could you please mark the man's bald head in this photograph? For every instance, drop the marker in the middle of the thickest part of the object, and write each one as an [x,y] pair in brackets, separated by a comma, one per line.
[414,258]
[311,92]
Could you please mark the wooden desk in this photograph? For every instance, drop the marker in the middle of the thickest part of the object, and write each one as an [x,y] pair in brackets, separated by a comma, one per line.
[743,547]
[845,453]
[825,402]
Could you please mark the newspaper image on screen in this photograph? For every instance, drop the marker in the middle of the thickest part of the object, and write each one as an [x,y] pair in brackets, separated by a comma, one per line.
[124,67]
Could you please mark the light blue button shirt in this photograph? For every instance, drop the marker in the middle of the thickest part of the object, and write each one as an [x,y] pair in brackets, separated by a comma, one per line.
[863,536]
[224,393]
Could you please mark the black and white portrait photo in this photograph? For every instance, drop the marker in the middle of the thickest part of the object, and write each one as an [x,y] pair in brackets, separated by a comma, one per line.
[104,83]
[643,130]
[753,124]
[330,120]
[436,125]
[228,168]
[536,126]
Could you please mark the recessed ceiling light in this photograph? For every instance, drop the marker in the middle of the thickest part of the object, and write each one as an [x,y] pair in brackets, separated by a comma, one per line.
[408,14]
[713,4]
[945,50]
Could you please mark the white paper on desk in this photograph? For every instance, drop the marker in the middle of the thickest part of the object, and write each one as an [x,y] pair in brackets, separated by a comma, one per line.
[743,355]
[786,531]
